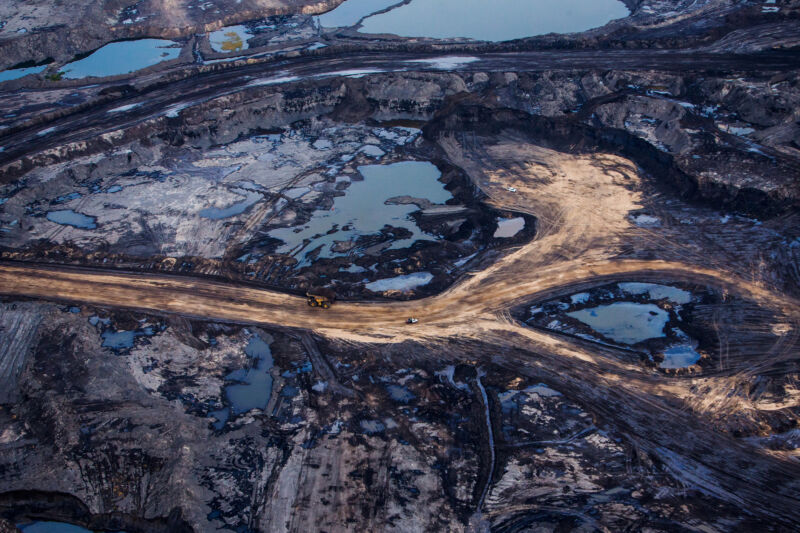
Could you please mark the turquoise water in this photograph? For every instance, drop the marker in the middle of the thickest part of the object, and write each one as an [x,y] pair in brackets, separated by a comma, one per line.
[363,209]
[68,217]
[351,11]
[490,20]
[122,57]
[625,322]
[13,74]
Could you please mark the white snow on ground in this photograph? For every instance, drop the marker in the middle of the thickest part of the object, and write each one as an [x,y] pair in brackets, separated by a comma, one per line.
[272,81]
[447,63]
[122,109]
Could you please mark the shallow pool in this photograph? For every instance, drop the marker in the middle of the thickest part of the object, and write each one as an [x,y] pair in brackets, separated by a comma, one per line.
[490,20]
[251,387]
[122,57]
[625,322]
[68,217]
[363,210]
[681,356]
[16,73]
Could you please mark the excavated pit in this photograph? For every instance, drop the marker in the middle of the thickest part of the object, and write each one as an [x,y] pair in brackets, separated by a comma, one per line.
[359,208]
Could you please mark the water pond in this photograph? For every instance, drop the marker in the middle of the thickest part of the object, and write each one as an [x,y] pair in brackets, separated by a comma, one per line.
[486,20]
[16,73]
[364,210]
[122,57]
[680,356]
[251,387]
[68,217]
[625,322]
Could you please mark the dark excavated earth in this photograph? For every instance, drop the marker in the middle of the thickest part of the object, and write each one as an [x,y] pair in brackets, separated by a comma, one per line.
[564,240]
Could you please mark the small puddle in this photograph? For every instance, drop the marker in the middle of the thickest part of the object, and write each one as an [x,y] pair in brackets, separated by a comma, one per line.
[401,283]
[363,210]
[122,57]
[68,217]
[508,227]
[681,356]
[625,322]
[16,73]
[486,20]
[252,387]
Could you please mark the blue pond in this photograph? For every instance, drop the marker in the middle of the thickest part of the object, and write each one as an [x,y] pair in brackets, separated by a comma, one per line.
[68,217]
[487,20]
[53,527]
[16,73]
[681,356]
[122,57]
[625,322]
[364,209]
[251,387]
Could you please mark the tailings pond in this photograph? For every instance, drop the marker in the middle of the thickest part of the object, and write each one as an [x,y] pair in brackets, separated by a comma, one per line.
[122,57]
[249,388]
[648,318]
[384,198]
[485,20]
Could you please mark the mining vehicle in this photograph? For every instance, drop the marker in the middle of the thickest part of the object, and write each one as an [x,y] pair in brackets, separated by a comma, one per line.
[320,297]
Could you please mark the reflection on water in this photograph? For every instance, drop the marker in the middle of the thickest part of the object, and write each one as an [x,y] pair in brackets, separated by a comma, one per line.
[351,11]
[68,217]
[491,20]
[363,209]
[122,57]
[625,322]
[15,73]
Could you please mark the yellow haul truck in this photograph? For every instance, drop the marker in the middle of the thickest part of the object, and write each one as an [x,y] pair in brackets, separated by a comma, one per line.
[320,297]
